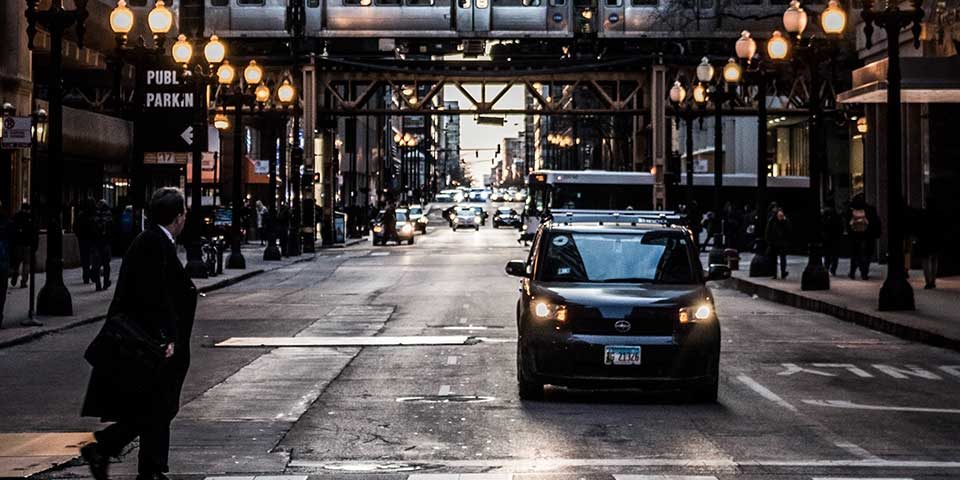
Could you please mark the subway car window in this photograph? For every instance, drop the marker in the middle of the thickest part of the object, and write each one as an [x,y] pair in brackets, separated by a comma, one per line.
[613,3]
[313,3]
[219,3]
[419,3]
[250,2]
[644,3]
[351,2]
[558,3]
[388,2]
[516,3]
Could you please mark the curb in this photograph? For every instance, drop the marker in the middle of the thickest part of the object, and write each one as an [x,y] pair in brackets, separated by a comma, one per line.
[865,319]
[81,322]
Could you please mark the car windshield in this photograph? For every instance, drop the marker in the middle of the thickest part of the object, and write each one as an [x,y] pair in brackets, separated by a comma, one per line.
[416,211]
[600,257]
[466,212]
[401,216]
[505,211]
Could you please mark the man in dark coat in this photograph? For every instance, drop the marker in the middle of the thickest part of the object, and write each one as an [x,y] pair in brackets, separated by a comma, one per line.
[100,246]
[863,228]
[390,224]
[154,290]
[831,232]
[779,230]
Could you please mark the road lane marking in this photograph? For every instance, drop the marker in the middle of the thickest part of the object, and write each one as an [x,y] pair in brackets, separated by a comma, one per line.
[460,476]
[857,406]
[951,369]
[849,366]
[444,391]
[553,464]
[379,254]
[664,477]
[856,450]
[452,360]
[860,478]
[793,368]
[343,341]
[765,393]
[466,327]
[905,373]
[463,320]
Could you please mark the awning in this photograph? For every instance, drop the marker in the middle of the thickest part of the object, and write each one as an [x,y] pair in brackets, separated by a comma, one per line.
[96,136]
[924,80]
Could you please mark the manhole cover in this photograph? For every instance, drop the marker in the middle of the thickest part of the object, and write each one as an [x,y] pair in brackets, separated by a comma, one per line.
[374,467]
[446,399]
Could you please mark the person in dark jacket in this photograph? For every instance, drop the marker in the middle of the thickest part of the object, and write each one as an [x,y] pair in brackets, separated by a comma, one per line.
[390,224]
[831,231]
[863,229]
[283,228]
[101,242]
[778,234]
[25,241]
[85,233]
[154,290]
[929,234]
[6,248]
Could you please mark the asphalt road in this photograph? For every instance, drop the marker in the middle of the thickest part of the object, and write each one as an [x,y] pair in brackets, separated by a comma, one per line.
[802,395]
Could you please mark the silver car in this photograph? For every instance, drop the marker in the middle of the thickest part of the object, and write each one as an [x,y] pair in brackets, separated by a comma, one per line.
[465,217]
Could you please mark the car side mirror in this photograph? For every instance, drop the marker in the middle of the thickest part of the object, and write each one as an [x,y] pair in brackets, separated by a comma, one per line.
[516,268]
[719,272]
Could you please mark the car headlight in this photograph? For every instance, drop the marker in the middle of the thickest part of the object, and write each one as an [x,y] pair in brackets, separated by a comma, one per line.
[694,314]
[476,219]
[550,311]
[407,228]
[422,219]
[377,229]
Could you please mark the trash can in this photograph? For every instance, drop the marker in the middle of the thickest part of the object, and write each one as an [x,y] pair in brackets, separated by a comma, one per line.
[733,258]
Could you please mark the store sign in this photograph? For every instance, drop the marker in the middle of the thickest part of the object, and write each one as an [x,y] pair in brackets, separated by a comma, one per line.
[165,90]
[261,167]
[16,132]
[165,158]
[167,111]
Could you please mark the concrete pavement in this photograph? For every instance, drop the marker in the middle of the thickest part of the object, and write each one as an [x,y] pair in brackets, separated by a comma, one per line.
[936,320]
[90,305]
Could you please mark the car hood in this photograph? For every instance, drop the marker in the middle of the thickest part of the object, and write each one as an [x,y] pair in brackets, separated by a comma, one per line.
[616,300]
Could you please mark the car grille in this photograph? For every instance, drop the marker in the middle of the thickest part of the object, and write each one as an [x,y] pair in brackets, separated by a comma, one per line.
[643,322]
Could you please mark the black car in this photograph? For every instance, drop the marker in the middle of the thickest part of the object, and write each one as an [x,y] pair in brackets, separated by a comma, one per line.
[616,305]
[405,229]
[506,216]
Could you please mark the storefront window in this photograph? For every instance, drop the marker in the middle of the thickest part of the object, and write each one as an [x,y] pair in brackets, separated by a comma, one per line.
[791,141]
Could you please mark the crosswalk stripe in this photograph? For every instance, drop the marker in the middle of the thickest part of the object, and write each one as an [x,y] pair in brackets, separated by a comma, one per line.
[259,477]
[861,478]
[460,476]
[664,477]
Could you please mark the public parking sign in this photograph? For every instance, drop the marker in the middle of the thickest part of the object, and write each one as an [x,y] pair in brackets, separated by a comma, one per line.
[16,132]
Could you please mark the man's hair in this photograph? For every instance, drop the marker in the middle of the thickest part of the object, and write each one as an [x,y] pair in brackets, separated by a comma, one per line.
[165,205]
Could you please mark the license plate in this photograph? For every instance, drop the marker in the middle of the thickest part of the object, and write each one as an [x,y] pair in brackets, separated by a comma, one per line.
[621,355]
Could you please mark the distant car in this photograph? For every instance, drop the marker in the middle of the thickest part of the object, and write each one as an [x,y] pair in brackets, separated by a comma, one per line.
[616,305]
[405,228]
[443,197]
[496,197]
[465,217]
[419,218]
[506,217]
[482,214]
[520,196]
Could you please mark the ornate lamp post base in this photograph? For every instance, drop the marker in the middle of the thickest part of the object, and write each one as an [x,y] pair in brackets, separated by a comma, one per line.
[272,252]
[54,301]
[896,294]
[716,256]
[815,275]
[196,269]
[762,265]
[236,261]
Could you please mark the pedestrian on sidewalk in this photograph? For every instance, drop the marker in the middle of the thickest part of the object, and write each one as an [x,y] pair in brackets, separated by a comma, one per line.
[25,241]
[6,248]
[863,229]
[831,232]
[261,210]
[154,291]
[929,233]
[100,246]
[85,231]
[779,230]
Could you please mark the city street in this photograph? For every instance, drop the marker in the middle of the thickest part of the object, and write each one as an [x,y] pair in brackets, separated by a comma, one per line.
[802,395]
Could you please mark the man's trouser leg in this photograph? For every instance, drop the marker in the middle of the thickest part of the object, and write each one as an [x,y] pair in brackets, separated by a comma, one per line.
[154,442]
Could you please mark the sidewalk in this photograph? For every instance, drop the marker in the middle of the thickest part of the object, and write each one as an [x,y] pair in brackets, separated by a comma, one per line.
[90,306]
[936,320]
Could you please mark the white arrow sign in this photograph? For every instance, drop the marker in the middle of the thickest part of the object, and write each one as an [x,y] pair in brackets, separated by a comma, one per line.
[187,135]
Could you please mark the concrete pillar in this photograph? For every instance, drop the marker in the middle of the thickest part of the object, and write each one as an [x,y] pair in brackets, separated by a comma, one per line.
[658,115]
[308,192]
[16,88]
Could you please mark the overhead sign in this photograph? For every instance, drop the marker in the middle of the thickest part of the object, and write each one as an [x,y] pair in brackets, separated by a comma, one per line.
[16,132]
[187,135]
[167,108]
[165,90]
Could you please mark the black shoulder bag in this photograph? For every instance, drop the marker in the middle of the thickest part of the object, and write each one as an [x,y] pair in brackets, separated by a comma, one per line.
[123,345]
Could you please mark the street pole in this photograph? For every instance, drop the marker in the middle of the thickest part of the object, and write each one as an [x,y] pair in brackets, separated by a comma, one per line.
[716,255]
[272,252]
[689,132]
[296,161]
[760,265]
[896,292]
[815,276]
[236,261]
[54,298]
[195,266]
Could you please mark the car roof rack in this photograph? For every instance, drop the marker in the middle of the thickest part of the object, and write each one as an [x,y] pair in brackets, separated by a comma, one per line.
[617,217]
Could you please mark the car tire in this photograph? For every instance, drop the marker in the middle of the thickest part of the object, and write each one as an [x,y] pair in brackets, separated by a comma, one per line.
[528,390]
[496,226]
[410,242]
[454,229]
[707,390]
[477,228]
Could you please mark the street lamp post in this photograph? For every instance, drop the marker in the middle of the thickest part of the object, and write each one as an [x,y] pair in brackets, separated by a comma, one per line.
[813,54]
[688,109]
[200,74]
[54,298]
[718,95]
[287,94]
[896,292]
[241,96]
[122,20]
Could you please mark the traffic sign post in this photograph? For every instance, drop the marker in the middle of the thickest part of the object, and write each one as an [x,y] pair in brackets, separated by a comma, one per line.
[16,132]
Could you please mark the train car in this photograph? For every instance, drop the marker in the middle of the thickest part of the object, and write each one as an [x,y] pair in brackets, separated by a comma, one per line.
[679,18]
[245,18]
[519,18]
[383,18]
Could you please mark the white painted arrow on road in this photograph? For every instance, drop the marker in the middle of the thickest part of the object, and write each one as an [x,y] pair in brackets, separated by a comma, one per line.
[187,135]
[858,406]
